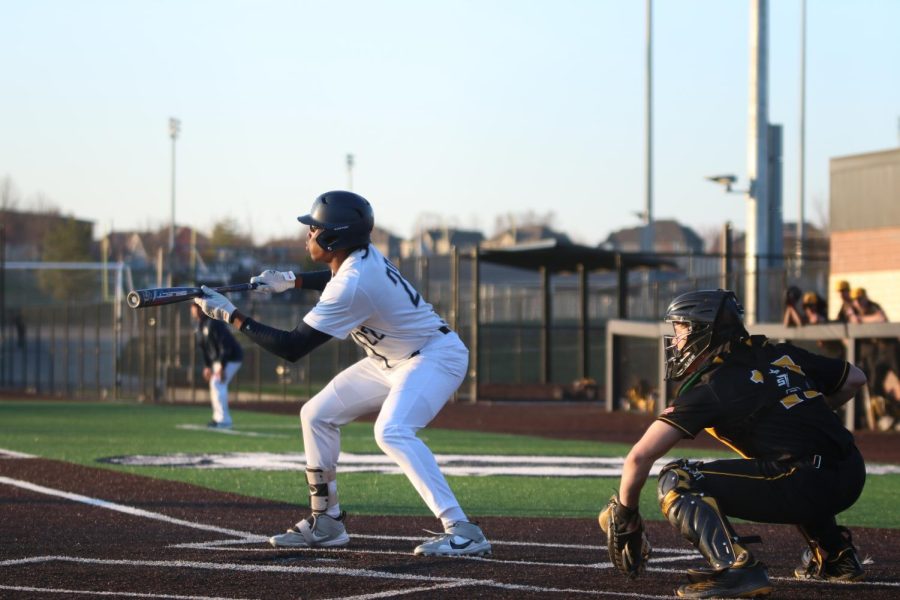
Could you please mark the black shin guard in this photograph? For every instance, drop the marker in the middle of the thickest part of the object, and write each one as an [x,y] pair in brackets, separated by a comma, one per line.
[698,517]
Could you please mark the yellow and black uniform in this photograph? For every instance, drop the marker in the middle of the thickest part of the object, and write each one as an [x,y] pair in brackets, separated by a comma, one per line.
[767,402]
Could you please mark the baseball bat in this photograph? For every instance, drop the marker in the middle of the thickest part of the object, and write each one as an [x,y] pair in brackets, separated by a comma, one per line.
[170,295]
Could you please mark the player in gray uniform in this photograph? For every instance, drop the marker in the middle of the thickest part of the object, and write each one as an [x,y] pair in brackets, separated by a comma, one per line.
[414,363]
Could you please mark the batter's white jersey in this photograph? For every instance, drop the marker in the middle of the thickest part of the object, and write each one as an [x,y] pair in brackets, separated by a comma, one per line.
[369,299]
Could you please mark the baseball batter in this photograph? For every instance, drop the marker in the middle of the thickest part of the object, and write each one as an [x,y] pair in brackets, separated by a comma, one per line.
[774,404]
[414,363]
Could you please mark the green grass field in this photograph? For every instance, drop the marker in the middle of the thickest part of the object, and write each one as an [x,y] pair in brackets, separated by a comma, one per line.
[83,433]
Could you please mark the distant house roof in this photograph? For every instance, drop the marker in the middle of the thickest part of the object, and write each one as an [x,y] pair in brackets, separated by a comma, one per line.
[24,231]
[526,234]
[668,236]
[816,241]
[386,242]
[565,257]
[439,241]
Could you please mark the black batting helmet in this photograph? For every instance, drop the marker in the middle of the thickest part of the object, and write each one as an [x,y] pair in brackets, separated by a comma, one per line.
[713,316]
[346,219]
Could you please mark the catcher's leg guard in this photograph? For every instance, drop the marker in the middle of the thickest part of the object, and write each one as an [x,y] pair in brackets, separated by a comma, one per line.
[698,517]
[322,491]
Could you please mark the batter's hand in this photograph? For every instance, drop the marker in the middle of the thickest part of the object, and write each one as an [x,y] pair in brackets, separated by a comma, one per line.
[207,373]
[215,305]
[270,281]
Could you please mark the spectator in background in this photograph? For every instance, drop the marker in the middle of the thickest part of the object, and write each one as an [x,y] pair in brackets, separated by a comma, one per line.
[847,312]
[866,310]
[876,356]
[815,310]
[792,317]
[222,356]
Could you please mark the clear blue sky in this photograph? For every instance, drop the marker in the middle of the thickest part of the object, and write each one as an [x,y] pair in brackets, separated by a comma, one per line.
[462,109]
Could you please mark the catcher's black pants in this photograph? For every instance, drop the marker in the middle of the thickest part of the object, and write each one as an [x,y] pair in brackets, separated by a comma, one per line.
[806,492]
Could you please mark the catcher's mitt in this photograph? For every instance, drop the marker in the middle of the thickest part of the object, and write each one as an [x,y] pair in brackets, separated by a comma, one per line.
[628,545]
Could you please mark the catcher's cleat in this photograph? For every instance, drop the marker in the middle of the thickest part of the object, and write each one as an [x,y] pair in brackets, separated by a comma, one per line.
[842,564]
[846,566]
[747,581]
[460,539]
[316,531]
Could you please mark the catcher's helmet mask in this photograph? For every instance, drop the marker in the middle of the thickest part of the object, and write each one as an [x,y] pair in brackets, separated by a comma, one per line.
[346,220]
[713,317]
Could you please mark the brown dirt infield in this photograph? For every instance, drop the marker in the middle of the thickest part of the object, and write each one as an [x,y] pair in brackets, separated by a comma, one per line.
[64,547]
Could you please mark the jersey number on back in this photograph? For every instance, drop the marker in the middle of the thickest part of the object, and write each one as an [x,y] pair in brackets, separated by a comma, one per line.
[394,275]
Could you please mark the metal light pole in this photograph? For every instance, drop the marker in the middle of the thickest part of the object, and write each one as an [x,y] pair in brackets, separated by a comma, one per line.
[757,244]
[349,172]
[169,358]
[647,233]
[174,130]
[801,217]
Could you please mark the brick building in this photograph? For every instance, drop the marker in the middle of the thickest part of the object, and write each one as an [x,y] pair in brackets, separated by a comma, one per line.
[865,226]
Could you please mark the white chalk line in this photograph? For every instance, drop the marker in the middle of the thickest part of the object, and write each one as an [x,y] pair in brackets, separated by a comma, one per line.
[246,537]
[681,555]
[137,512]
[320,570]
[4,453]
[19,588]
[462,465]
[232,431]
[395,593]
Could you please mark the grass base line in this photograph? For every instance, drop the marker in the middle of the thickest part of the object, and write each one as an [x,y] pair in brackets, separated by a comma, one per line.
[4,453]
[238,432]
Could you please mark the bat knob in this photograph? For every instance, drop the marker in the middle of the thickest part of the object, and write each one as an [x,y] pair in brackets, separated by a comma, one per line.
[133,299]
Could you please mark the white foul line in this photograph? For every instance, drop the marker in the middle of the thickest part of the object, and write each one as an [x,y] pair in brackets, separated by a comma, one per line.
[129,509]
[250,537]
[322,570]
[18,588]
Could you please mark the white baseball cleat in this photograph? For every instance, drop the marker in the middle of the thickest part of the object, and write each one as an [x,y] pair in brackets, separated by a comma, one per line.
[316,531]
[460,539]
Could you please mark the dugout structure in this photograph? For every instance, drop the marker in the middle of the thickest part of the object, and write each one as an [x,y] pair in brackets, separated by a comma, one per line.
[551,257]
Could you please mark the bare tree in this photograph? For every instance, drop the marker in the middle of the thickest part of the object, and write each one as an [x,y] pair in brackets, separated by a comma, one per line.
[9,195]
[42,203]
[529,218]
[820,208]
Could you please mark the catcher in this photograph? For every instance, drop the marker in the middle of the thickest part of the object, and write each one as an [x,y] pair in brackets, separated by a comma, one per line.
[774,405]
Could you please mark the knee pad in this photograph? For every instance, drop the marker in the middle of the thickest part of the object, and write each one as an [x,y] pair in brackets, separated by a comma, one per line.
[697,516]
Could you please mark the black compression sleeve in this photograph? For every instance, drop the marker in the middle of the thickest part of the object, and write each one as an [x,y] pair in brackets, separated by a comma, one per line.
[289,345]
[315,280]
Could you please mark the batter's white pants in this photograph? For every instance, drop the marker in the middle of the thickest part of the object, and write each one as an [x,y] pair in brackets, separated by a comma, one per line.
[218,391]
[409,395]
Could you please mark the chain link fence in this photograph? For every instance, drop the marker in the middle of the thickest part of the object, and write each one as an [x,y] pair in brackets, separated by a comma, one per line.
[84,342]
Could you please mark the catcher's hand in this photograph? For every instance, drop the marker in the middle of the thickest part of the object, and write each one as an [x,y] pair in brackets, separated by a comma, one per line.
[628,545]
